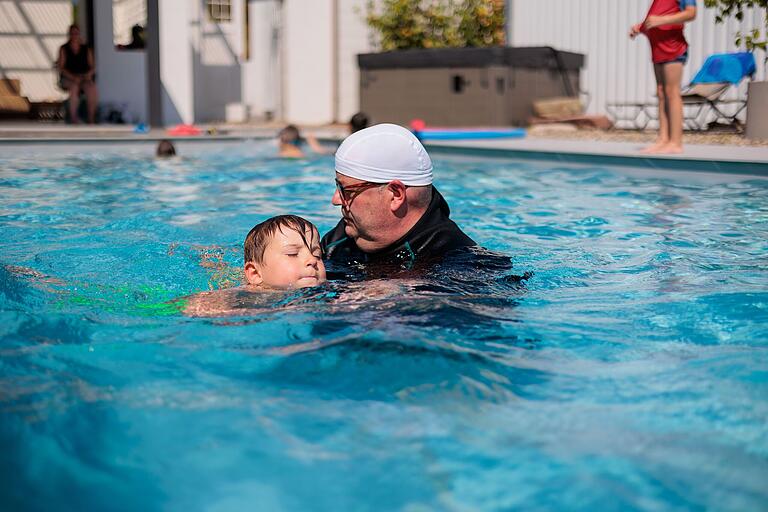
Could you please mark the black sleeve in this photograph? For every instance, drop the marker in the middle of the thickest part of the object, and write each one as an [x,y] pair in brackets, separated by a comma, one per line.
[333,237]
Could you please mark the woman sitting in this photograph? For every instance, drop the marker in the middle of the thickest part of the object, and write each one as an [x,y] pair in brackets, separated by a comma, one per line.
[77,70]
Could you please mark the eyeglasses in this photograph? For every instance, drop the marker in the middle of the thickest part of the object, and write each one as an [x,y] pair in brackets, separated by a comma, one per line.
[350,192]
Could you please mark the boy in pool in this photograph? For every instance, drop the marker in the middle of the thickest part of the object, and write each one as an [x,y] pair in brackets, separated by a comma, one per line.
[281,253]
[165,149]
[290,142]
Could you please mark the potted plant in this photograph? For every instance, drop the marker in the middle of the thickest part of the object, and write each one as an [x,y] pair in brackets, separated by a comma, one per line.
[757,38]
[411,24]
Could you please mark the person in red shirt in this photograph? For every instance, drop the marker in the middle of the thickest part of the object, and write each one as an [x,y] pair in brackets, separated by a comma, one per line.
[663,25]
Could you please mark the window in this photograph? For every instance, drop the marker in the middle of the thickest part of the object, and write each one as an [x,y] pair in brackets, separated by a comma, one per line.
[129,17]
[219,11]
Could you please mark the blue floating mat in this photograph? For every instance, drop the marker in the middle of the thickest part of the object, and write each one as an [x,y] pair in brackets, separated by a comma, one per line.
[466,134]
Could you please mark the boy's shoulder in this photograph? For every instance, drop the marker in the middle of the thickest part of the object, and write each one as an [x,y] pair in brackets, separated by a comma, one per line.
[226,302]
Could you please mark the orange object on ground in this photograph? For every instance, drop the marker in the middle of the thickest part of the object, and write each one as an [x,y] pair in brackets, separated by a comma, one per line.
[417,125]
[184,129]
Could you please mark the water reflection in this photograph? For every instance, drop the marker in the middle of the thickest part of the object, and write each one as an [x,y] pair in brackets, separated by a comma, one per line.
[642,334]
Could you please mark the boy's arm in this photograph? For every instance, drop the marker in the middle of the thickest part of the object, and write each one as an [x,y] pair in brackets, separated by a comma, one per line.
[316,147]
[684,16]
[209,304]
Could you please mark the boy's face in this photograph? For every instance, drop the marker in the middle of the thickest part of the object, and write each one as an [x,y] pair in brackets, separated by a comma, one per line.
[288,262]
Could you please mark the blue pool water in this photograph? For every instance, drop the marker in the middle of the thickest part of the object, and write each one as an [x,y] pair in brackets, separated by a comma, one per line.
[629,373]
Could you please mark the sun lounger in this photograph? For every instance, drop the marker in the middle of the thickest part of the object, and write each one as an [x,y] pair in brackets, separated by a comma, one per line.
[568,110]
[12,103]
[701,98]
[719,73]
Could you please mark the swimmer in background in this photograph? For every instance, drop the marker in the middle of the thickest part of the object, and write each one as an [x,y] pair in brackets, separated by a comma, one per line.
[290,142]
[165,149]
[281,253]
[358,122]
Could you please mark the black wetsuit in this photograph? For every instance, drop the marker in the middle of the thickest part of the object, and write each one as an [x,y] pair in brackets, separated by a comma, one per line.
[433,236]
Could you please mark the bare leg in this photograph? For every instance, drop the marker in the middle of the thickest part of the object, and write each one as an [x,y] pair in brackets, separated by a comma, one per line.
[662,139]
[74,102]
[92,97]
[673,75]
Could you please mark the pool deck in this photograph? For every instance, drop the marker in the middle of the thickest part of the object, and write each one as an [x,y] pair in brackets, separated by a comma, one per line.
[697,157]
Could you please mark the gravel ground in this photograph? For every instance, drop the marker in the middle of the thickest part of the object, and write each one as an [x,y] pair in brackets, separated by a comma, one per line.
[567,132]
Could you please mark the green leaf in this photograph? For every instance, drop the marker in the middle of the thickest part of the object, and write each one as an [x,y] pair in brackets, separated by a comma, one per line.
[726,9]
[437,23]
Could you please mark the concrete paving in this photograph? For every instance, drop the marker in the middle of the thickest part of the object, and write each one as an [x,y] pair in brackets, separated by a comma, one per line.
[709,158]
[616,149]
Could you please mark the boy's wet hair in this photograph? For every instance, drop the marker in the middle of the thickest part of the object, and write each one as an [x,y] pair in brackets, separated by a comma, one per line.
[165,148]
[260,235]
[358,122]
[289,135]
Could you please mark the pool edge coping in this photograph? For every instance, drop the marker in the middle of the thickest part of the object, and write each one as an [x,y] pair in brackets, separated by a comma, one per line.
[663,163]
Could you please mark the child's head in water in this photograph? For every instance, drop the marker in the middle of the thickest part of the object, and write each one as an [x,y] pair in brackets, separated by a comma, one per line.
[358,122]
[165,149]
[290,135]
[283,252]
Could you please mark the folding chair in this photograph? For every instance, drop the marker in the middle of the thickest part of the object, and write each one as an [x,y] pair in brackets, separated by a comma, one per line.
[717,75]
[703,95]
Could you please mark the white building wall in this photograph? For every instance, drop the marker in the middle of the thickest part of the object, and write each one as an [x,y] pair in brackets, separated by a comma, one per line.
[618,69]
[261,72]
[30,35]
[176,65]
[353,38]
[121,75]
[218,59]
[307,46]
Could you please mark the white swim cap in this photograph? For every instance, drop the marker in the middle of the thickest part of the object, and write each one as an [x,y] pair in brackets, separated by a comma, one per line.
[383,153]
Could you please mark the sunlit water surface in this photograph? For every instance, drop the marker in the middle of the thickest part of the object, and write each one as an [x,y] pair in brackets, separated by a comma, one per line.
[630,372]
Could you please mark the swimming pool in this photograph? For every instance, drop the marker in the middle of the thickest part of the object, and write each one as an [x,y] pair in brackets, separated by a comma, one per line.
[631,371]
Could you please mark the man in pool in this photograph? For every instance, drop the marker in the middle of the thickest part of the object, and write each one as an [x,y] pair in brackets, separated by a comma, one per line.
[281,253]
[391,212]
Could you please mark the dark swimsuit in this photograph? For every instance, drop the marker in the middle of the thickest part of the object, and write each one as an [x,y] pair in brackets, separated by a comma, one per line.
[75,63]
[434,235]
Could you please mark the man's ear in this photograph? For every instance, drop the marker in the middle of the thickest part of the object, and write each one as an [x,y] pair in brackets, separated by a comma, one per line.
[252,274]
[397,189]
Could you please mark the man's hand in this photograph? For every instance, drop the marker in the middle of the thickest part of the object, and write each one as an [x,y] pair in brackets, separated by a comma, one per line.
[635,30]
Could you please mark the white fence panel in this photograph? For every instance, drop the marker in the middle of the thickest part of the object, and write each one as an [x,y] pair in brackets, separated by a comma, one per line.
[618,69]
